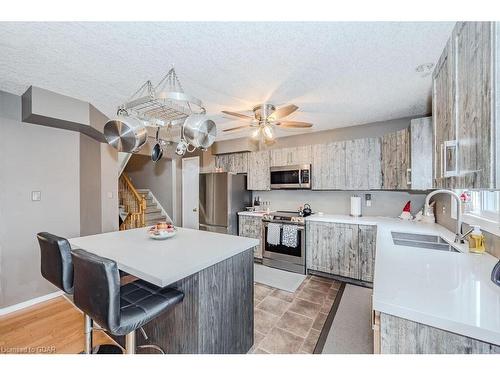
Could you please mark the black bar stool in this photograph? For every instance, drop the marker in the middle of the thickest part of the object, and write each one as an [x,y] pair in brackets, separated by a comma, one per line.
[119,310]
[56,266]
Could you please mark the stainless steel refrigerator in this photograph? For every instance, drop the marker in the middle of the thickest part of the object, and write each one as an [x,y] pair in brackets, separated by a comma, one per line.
[222,196]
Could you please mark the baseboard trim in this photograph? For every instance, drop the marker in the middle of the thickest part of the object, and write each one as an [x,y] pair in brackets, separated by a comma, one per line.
[31,302]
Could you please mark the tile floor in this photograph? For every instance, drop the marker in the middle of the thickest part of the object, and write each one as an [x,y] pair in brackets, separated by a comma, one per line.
[288,323]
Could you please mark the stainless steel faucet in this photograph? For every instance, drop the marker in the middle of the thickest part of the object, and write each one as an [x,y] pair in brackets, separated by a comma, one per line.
[459,238]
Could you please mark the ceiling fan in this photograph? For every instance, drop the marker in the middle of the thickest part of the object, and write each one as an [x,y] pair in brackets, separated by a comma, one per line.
[266,118]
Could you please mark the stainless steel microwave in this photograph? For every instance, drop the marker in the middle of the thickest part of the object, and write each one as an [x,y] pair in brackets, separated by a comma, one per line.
[291,177]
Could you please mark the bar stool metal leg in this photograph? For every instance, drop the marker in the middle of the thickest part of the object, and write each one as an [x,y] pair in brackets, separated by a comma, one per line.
[130,343]
[88,328]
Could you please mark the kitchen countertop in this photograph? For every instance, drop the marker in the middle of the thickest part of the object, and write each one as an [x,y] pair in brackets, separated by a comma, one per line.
[252,213]
[163,262]
[447,290]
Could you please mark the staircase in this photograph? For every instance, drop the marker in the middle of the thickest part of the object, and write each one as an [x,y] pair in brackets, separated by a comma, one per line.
[138,207]
[154,211]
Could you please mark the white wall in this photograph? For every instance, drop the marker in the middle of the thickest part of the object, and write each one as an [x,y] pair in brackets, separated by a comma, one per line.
[33,157]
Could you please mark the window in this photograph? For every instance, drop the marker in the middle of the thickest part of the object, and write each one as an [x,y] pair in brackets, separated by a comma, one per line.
[485,204]
[483,209]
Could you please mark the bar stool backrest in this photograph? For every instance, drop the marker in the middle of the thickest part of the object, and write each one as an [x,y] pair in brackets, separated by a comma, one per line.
[55,261]
[97,288]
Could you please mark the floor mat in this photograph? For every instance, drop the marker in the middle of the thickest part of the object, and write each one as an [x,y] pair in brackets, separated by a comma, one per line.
[351,331]
[275,278]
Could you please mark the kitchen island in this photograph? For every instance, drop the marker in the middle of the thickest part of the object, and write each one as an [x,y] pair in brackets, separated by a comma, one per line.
[215,272]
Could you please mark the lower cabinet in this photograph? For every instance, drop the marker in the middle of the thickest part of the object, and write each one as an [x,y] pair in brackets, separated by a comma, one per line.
[251,226]
[341,249]
[394,335]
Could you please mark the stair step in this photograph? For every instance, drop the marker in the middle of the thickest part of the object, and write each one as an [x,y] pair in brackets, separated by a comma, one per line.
[153,221]
[152,215]
[151,204]
[152,209]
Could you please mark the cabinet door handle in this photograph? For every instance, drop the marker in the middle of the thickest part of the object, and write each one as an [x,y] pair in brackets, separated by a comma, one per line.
[408,176]
[442,160]
[450,145]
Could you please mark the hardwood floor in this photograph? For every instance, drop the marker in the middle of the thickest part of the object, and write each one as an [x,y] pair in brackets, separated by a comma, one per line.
[55,326]
[284,322]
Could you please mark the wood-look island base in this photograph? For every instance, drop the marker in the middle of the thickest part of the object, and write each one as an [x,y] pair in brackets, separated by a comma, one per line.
[216,315]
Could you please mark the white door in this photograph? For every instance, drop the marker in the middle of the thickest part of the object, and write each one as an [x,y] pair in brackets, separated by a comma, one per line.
[190,192]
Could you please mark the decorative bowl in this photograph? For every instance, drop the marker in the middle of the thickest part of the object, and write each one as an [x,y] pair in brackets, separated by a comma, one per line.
[162,234]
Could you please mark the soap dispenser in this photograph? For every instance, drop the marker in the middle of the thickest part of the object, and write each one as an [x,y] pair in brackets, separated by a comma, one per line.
[476,241]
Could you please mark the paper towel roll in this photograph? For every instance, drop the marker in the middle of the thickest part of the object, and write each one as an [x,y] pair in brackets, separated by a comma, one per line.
[355,206]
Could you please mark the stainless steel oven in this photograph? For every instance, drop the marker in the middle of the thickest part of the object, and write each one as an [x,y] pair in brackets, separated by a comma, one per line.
[280,256]
[291,177]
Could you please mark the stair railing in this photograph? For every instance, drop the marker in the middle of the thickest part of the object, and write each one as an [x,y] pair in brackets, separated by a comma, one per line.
[133,202]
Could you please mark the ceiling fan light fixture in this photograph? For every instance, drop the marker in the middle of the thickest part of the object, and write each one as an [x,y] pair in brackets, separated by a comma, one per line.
[256,133]
[268,132]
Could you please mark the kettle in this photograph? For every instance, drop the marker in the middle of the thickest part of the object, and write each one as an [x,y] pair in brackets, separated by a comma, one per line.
[306,211]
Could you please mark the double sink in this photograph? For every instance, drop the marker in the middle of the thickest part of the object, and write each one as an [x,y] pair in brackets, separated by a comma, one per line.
[424,241]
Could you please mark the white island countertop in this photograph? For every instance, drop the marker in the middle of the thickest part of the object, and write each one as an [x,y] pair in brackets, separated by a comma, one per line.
[447,290]
[163,262]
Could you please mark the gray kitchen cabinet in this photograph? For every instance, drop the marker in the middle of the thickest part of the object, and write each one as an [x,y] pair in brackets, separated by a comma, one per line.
[473,93]
[421,153]
[466,108]
[251,226]
[402,336]
[328,166]
[341,249]
[291,156]
[443,113]
[356,168]
[258,177]
[347,165]
[234,163]
[367,238]
[395,160]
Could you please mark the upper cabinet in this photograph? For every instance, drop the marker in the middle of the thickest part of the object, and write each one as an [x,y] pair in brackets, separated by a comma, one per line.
[421,153]
[396,160]
[234,163]
[258,177]
[347,165]
[328,166]
[291,156]
[464,108]
[362,164]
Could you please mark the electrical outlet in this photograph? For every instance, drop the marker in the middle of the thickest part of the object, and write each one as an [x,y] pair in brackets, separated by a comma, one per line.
[443,210]
[368,200]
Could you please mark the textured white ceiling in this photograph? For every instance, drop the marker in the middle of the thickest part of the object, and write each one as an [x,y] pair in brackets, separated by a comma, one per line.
[338,73]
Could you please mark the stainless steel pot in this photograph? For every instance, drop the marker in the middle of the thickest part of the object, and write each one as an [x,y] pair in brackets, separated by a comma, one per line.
[126,134]
[199,131]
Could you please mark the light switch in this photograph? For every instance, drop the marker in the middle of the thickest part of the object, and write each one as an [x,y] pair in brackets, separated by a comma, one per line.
[110,194]
[36,196]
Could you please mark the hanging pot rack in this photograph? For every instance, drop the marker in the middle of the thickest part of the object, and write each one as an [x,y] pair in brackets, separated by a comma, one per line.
[164,105]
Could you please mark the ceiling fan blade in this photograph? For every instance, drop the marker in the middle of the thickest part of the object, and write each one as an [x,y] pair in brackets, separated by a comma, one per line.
[236,114]
[237,128]
[293,124]
[283,112]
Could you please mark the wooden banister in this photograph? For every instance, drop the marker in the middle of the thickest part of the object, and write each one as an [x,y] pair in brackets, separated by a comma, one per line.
[134,203]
